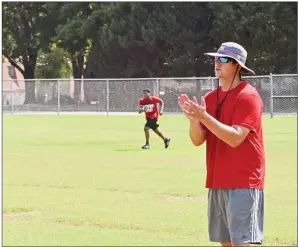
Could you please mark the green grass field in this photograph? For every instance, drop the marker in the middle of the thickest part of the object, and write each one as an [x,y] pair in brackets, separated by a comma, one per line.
[84,180]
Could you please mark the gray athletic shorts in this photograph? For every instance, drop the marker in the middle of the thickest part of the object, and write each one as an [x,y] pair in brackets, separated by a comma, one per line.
[236,215]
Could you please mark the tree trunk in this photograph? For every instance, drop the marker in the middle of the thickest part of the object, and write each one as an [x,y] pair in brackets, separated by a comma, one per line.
[87,89]
[30,96]
[198,89]
[29,69]
[77,67]
[55,94]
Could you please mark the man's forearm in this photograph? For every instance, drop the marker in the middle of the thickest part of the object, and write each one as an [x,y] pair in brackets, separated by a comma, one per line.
[161,107]
[226,133]
[196,133]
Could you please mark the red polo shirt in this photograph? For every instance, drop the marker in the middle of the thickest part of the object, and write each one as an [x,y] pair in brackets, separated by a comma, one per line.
[244,165]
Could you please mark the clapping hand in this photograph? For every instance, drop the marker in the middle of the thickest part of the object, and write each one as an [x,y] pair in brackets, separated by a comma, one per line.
[191,108]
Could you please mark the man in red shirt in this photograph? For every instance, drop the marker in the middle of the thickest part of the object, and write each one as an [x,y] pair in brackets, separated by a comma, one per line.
[148,104]
[229,119]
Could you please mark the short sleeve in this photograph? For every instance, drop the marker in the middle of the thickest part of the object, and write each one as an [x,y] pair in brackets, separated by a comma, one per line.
[248,111]
[140,102]
[157,100]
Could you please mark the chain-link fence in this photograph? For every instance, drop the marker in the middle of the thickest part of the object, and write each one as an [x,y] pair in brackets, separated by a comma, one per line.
[278,92]
[284,94]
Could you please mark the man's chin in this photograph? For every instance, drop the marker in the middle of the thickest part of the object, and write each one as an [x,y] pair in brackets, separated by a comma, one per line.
[217,74]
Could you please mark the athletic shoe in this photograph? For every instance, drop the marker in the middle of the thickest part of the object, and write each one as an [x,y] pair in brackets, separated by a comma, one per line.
[167,142]
[147,146]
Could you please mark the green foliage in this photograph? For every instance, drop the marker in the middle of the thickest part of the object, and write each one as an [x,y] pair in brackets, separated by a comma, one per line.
[146,39]
[27,28]
[54,64]
[149,39]
[169,39]
[267,30]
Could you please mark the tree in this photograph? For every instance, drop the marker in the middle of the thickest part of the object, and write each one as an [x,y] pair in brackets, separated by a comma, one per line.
[71,35]
[27,28]
[53,64]
[265,30]
[150,39]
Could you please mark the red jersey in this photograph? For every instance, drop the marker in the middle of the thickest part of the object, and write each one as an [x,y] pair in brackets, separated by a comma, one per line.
[151,104]
[244,165]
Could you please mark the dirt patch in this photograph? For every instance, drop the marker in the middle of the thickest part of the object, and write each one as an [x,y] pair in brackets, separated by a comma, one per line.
[106,225]
[13,215]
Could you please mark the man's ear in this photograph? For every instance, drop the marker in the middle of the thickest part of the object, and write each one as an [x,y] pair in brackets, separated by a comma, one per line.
[241,73]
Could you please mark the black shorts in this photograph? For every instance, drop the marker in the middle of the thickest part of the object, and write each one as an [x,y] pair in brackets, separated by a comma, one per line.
[151,123]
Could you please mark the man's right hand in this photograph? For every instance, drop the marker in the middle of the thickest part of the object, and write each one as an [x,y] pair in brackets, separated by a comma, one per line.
[196,133]
[183,101]
[141,109]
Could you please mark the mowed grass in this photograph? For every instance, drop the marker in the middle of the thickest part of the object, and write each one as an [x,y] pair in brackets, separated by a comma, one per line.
[84,180]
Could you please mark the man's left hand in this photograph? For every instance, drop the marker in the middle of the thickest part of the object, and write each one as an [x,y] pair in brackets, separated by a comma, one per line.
[161,113]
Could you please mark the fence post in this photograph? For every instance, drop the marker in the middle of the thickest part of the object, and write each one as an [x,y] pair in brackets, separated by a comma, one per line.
[271,95]
[11,96]
[157,88]
[212,86]
[58,95]
[108,97]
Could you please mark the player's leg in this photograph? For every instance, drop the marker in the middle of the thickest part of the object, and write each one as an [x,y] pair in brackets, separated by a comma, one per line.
[158,132]
[147,135]
[245,212]
[165,140]
[217,217]
[155,128]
